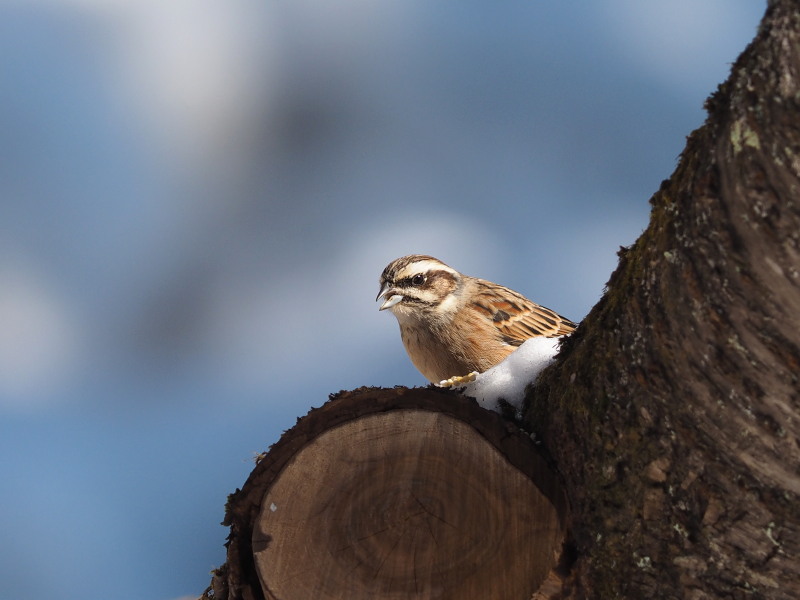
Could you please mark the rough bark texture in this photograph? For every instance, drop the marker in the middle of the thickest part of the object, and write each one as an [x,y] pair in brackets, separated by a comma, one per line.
[674,414]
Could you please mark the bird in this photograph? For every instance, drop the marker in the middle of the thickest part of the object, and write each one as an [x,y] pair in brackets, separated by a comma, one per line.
[455,326]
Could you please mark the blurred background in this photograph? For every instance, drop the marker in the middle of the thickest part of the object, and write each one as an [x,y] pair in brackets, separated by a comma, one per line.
[197,198]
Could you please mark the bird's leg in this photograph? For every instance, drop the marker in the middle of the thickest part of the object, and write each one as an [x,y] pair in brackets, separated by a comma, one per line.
[458,380]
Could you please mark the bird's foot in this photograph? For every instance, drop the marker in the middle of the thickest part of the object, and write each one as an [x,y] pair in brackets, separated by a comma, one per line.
[458,380]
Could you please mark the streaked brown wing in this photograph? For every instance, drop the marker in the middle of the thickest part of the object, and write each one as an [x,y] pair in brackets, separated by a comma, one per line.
[517,318]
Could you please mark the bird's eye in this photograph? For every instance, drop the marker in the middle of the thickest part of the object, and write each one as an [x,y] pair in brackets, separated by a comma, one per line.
[418,279]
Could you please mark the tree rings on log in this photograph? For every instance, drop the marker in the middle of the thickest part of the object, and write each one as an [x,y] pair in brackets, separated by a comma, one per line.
[396,494]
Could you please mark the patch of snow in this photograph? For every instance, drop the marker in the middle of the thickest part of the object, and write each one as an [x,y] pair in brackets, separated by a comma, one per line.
[508,379]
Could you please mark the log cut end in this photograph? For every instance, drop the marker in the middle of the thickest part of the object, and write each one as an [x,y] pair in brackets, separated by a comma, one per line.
[397,494]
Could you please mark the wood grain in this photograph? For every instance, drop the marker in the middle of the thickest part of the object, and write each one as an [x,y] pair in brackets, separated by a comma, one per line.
[407,504]
[395,493]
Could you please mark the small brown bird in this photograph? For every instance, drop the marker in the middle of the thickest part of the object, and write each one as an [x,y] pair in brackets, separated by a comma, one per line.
[455,326]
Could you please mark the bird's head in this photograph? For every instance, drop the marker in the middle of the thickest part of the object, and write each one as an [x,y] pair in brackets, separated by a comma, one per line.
[417,285]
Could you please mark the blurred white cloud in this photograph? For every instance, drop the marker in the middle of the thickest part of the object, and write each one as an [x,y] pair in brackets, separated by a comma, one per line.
[197,72]
[39,343]
[196,75]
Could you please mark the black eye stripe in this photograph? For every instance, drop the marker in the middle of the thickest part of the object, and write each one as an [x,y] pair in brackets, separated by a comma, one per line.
[412,281]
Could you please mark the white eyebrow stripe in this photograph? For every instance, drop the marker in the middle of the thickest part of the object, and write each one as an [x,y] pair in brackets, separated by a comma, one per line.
[423,266]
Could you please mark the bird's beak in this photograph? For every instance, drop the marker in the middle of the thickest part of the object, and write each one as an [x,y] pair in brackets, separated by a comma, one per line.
[392,299]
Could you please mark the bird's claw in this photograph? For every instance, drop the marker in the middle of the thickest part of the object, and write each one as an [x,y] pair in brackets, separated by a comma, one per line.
[458,380]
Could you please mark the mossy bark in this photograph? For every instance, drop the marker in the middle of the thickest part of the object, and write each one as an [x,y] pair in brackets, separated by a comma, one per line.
[673,414]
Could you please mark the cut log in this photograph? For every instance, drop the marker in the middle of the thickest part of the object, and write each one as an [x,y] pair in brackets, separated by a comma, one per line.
[396,494]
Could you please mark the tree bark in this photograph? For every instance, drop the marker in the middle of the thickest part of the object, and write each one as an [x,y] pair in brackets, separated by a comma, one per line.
[674,414]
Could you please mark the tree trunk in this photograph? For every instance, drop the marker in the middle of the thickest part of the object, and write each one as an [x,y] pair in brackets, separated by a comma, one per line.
[674,416]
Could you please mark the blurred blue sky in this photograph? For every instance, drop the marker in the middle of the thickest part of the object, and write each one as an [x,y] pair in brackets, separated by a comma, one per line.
[197,198]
